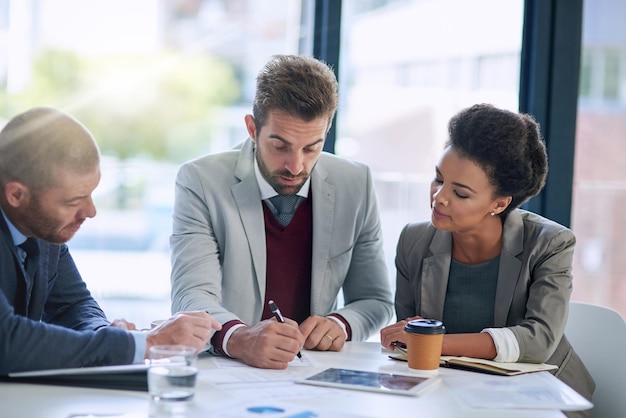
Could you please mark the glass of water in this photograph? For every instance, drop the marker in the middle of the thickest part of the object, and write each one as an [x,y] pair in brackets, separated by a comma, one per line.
[172,373]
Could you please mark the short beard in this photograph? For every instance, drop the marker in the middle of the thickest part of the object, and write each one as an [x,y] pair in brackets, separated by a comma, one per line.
[272,178]
[41,225]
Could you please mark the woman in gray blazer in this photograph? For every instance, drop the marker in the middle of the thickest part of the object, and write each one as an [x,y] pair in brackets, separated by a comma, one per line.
[499,277]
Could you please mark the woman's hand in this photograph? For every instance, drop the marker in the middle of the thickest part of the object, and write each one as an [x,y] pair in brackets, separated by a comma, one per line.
[395,333]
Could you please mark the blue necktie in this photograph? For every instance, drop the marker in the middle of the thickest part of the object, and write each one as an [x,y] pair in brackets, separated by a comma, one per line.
[31,259]
[286,206]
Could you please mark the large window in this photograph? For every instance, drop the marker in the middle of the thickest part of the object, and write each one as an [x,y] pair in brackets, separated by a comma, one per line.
[406,68]
[157,82]
[162,81]
[599,190]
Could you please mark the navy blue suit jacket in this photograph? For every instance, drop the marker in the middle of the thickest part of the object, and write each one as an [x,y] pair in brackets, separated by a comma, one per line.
[58,324]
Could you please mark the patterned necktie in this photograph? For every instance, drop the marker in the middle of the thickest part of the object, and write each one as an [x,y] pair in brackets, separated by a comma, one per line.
[286,206]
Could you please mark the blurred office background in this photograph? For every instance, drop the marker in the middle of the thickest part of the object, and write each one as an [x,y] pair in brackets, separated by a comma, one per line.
[161,81]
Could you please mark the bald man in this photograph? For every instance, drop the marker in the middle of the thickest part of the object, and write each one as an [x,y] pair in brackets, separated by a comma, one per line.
[49,167]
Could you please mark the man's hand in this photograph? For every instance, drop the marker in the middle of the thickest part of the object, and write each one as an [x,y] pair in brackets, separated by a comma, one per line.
[395,333]
[187,328]
[323,334]
[123,324]
[267,345]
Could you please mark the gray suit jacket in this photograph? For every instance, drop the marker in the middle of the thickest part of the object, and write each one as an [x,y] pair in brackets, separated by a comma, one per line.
[532,294]
[218,242]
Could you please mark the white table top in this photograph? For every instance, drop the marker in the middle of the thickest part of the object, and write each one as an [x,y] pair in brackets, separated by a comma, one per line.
[213,399]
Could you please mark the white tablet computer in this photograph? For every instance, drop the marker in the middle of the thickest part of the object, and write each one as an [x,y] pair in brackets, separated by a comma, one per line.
[371,381]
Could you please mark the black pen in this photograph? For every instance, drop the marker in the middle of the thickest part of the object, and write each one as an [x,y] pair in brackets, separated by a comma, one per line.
[279,317]
[400,347]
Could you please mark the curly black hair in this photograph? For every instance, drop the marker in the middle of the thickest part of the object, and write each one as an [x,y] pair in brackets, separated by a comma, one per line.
[508,146]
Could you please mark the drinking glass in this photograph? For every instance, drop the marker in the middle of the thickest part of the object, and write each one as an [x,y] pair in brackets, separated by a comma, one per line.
[172,373]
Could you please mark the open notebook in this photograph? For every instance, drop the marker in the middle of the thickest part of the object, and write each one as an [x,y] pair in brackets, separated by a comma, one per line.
[482,365]
[126,377]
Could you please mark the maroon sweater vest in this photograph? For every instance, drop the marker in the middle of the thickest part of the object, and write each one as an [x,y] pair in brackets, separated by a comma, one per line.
[288,271]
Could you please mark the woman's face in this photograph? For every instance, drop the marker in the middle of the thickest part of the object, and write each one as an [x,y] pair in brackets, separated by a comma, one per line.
[461,197]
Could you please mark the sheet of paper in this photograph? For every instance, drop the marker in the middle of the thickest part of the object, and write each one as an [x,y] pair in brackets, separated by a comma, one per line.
[538,390]
[248,376]
[97,415]
[252,383]
[277,410]
[305,361]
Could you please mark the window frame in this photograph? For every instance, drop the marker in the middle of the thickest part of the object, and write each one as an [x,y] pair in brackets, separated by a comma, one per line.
[549,82]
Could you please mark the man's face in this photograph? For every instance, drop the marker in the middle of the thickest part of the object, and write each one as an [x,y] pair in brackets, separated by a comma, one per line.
[56,213]
[287,149]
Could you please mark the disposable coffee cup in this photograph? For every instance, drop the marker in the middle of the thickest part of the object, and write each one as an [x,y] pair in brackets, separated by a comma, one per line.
[424,343]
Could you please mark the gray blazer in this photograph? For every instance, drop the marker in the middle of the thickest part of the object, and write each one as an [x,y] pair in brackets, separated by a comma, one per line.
[532,294]
[218,242]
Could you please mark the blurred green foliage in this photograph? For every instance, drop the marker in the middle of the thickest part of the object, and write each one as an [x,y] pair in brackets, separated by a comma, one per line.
[162,105]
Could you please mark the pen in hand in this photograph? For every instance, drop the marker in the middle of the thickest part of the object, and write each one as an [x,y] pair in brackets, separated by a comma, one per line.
[400,347]
[279,317]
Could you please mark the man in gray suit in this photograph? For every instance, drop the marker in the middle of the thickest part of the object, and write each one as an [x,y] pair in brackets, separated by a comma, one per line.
[234,248]
[49,166]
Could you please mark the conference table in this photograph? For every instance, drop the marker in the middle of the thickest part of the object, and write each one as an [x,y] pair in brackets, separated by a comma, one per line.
[227,388]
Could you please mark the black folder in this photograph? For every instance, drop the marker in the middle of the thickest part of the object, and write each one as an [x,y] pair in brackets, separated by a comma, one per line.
[127,377]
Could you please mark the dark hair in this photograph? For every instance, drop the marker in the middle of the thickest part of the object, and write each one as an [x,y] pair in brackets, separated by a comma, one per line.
[33,144]
[301,86]
[506,145]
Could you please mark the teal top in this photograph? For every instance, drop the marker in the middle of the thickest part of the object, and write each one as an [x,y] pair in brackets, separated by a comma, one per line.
[470,297]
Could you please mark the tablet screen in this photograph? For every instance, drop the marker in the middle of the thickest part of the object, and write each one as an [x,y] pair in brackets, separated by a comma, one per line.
[371,381]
